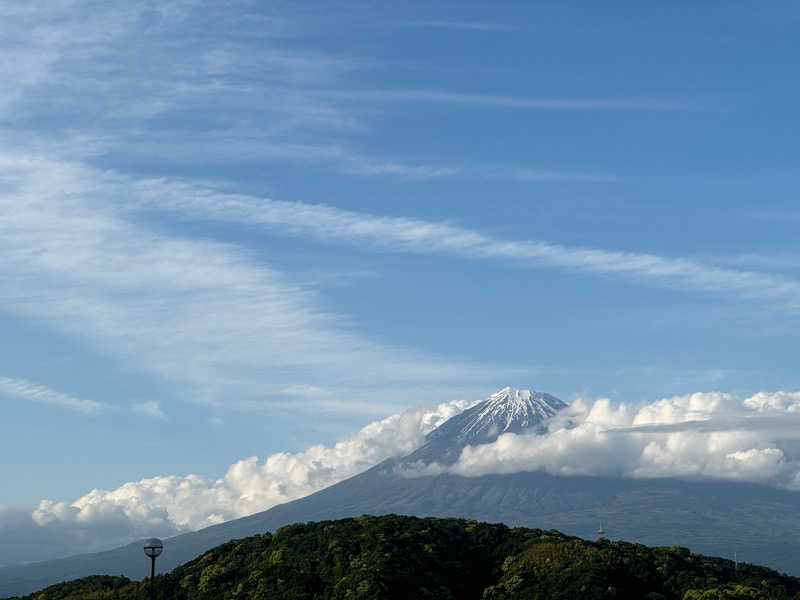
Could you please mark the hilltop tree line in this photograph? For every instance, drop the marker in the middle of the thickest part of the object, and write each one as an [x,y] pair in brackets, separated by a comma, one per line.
[398,557]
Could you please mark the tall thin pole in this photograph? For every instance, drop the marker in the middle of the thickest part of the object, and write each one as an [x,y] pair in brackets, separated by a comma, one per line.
[152,578]
[152,548]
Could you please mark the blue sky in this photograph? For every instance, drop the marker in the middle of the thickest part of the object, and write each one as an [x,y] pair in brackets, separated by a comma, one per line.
[235,228]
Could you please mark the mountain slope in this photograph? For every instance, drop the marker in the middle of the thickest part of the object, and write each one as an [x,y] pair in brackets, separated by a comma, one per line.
[760,523]
[396,557]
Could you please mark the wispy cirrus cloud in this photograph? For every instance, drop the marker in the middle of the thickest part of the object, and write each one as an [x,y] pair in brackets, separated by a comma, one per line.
[363,166]
[328,223]
[258,101]
[514,102]
[236,149]
[133,62]
[209,317]
[463,25]
[22,389]
[767,262]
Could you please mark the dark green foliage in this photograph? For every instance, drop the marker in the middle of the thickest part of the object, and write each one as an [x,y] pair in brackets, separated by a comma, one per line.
[558,567]
[96,587]
[366,557]
[394,557]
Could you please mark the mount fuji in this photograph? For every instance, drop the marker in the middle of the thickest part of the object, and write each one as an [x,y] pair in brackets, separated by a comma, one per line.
[507,411]
[761,524]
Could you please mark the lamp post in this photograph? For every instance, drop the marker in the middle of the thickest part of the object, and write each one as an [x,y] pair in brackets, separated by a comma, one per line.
[152,548]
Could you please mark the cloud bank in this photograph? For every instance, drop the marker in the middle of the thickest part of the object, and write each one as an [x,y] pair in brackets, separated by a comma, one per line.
[698,436]
[168,505]
[701,435]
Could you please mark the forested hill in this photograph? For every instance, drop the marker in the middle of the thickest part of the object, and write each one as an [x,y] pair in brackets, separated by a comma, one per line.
[398,557]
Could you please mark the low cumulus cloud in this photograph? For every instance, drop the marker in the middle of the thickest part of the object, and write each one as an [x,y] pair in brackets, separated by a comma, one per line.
[168,505]
[701,435]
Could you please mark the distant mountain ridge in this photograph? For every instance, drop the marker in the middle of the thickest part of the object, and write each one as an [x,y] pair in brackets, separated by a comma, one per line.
[761,524]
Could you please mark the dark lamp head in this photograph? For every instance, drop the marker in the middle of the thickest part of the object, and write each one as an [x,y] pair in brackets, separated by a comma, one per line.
[153,547]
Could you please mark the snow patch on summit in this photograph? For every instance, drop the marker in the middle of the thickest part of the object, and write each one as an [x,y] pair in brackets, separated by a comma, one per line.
[507,411]
[511,410]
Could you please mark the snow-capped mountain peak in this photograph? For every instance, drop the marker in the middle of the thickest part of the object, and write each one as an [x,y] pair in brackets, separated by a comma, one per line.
[512,410]
[508,411]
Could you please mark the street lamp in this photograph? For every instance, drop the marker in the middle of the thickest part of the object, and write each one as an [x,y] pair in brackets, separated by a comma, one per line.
[152,548]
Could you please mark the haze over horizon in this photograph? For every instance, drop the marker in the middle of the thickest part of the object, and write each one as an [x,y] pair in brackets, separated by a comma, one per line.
[252,249]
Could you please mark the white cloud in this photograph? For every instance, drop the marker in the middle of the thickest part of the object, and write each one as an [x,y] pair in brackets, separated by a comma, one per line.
[26,540]
[701,435]
[149,409]
[169,504]
[328,223]
[210,317]
[680,409]
[516,102]
[33,392]
[129,60]
[81,258]
[466,25]
[132,64]
[782,401]
[705,435]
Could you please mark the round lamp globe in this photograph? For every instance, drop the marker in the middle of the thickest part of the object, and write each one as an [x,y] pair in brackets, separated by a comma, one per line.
[153,547]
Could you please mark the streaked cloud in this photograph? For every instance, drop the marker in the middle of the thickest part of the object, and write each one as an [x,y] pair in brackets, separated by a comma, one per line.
[239,150]
[515,102]
[279,104]
[768,262]
[208,317]
[34,392]
[331,224]
[464,25]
